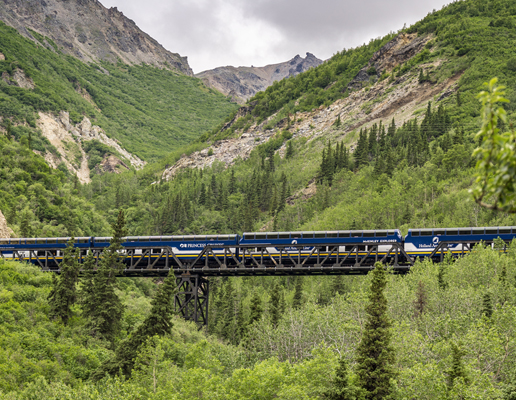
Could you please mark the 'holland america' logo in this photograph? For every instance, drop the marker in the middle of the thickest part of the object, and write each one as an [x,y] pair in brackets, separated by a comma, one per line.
[435,240]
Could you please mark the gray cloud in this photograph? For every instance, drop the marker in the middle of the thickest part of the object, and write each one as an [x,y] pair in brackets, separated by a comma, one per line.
[214,33]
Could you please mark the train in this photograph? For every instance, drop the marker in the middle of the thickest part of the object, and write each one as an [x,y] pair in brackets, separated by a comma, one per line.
[331,246]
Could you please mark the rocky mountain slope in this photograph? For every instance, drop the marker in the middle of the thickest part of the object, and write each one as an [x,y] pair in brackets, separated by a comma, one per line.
[242,83]
[368,104]
[87,30]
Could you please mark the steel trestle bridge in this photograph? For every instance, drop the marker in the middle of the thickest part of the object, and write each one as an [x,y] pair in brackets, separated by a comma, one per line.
[192,298]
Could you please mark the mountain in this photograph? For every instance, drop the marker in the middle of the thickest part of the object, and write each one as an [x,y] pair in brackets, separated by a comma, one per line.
[242,83]
[87,30]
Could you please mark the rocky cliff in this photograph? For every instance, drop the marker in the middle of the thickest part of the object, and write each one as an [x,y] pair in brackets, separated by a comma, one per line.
[242,83]
[89,31]
[5,231]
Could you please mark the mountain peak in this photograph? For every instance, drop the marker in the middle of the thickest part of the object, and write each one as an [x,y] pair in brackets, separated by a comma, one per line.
[89,31]
[242,83]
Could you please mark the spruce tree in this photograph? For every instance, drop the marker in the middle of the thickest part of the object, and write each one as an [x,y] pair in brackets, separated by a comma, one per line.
[290,150]
[157,323]
[298,293]
[457,369]
[375,356]
[256,309]
[274,305]
[106,309]
[487,305]
[341,388]
[421,300]
[64,290]
[86,289]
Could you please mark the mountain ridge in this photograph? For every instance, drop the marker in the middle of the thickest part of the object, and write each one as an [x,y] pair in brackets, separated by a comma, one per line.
[242,83]
[89,31]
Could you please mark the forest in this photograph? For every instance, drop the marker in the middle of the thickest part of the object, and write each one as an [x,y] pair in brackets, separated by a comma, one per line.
[447,329]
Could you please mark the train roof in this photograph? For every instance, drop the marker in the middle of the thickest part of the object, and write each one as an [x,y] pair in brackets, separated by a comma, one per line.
[60,240]
[475,230]
[320,234]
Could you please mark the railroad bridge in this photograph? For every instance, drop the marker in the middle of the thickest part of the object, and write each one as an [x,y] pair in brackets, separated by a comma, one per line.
[191,300]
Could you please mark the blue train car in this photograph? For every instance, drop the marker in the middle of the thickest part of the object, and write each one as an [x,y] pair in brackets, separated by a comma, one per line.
[185,248]
[29,248]
[278,244]
[423,242]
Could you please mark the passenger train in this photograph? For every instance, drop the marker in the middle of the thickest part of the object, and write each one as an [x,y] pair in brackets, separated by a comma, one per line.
[353,244]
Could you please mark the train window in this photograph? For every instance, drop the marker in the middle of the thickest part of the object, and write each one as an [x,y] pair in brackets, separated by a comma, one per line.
[248,236]
[414,233]
[61,240]
[83,240]
[381,233]
[320,235]
[478,231]
[296,235]
[261,236]
[332,234]
[31,241]
[438,232]
[452,232]
[308,235]
[491,231]
[464,231]
[223,237]
[504,230]
[391,233]
[283,235]
[368,234]
[427,232]
[272,235]
[344,234]
[4,241]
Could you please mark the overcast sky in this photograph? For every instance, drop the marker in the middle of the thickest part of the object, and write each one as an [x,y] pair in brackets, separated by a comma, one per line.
[214,33]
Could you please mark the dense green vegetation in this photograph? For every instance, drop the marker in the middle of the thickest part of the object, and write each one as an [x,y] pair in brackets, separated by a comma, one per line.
[151,111]
[41,201]
[452,336]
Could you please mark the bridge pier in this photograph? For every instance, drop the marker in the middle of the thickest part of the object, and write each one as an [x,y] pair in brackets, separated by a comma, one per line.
[191,300]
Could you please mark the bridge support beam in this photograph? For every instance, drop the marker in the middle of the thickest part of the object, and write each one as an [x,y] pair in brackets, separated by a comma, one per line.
[191,300]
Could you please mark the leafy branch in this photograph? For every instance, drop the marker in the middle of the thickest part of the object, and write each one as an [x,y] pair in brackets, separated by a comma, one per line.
[496,166]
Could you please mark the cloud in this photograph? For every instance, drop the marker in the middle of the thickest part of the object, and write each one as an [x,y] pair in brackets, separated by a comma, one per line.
[215,33]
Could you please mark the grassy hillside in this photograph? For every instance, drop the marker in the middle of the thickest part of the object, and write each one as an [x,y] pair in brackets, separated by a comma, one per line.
[151,111]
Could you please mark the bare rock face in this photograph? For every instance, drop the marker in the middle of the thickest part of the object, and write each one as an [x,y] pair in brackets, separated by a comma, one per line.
[112,164]
[68,139]
[87,30]
[5,231]
[242,83]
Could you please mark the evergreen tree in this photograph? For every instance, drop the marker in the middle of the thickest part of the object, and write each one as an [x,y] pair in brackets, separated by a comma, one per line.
[202,195]
[421,300]
[341,388]
[86,292]
[106,308]
[487,305]
[457,369]
[337,122]
[232,183]
[337,285]
[375,356]
[290,150]
[256,309]
[298,293]
[157,323]
[274,305]
[64,290]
